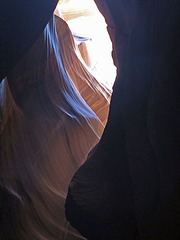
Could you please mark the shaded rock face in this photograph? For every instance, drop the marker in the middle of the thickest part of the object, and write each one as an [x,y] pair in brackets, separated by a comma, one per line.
[129,187]
[21,24]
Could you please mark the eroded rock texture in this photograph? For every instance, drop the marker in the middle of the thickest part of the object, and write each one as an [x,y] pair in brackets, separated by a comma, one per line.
[129,187]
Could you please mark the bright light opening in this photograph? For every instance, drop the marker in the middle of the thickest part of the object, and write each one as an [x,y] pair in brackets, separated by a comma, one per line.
[89,27]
